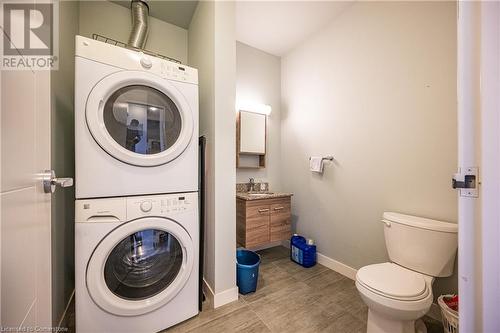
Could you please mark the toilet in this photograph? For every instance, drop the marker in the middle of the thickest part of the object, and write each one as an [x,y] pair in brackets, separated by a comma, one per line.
[399,292]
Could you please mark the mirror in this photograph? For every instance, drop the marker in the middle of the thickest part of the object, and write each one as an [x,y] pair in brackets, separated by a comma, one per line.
[252,133]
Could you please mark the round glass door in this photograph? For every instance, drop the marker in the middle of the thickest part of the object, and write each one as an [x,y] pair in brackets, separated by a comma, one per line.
[143,264]
[142,119]
[139,118]
[140,266]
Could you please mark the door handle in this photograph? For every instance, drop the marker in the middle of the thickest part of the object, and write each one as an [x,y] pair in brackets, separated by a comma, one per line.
[263,210]
[279,208]
[50,181]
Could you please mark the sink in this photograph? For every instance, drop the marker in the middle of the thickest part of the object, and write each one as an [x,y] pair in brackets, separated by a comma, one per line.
[259,194]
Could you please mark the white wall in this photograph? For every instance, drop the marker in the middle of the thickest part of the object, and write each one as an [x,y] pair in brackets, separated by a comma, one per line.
[212,51]
[377,90]
[114,21]
[258,79]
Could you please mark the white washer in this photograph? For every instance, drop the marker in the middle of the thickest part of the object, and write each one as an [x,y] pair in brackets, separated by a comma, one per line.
[136,262]
[136,123]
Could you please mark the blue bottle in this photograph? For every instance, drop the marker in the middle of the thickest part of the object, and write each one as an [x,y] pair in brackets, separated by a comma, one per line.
[302,252]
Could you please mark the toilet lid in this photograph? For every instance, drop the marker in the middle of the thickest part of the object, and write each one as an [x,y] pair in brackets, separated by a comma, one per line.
[393,281]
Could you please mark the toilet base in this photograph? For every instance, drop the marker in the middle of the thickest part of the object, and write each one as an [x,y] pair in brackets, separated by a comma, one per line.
[378,323]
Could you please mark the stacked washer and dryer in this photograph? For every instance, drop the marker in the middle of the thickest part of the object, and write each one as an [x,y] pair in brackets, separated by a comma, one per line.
[137,225]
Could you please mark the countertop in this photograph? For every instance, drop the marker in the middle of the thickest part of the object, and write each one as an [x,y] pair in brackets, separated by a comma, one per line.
[263,195]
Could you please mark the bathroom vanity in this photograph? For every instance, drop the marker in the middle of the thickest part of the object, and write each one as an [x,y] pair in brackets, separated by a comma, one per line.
[262,218]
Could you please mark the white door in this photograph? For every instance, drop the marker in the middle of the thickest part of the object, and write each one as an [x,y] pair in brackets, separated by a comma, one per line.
[25,208]
[479,146]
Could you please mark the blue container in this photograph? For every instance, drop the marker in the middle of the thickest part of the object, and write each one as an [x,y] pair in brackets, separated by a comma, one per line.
[247,270]
[301,252]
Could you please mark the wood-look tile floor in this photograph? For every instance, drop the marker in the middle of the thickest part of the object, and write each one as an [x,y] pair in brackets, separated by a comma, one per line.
[289,298]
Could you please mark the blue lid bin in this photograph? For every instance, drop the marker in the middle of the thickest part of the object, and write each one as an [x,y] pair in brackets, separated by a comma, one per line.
[247,271]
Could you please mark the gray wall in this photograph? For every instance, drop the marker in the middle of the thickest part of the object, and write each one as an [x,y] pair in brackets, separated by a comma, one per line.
[377,90]
[114,21]
[63,157]
[258,80]
[201,56]
[225,146]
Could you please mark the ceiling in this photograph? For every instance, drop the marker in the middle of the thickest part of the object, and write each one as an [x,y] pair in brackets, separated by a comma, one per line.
[177,12]
[277,27]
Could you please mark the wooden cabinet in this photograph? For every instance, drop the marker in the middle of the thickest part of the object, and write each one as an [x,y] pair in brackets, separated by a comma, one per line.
[262,221]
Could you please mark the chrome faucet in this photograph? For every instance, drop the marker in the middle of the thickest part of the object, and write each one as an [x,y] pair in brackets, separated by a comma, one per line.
[251,182]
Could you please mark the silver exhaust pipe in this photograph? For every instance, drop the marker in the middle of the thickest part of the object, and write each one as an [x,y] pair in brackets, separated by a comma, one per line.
[139,33]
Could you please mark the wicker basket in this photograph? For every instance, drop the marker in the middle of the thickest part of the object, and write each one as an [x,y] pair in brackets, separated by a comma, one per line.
[449,316]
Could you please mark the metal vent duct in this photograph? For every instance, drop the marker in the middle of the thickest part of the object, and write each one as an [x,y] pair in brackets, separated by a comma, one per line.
[139,33]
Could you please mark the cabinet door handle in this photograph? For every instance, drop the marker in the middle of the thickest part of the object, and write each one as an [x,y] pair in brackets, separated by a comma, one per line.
[263,210]
[279,208]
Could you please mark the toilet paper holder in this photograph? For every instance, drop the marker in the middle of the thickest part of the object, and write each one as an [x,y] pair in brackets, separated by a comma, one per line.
[327,158]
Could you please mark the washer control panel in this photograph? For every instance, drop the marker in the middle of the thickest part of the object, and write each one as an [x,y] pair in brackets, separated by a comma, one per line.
[118,210]
[161,205]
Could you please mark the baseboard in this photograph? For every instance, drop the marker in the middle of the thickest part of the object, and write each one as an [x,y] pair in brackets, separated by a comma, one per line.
[337,266]
[63,319]
[435,312]
[219,299]
[225,297]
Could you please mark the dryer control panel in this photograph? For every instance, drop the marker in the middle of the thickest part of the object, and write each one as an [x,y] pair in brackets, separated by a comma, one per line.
[129,59]
[117,210]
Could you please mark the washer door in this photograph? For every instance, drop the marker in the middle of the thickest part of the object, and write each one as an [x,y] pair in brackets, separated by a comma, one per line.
[140,266]
[139,118]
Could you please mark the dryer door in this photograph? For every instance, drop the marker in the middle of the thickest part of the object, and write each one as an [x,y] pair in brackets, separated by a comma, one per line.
[139,118]
[140,266]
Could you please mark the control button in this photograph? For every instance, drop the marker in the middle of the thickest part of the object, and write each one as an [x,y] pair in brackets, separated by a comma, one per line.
[146,62]
[146,206]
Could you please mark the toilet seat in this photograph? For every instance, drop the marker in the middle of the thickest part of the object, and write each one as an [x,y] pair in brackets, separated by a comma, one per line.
[393,281]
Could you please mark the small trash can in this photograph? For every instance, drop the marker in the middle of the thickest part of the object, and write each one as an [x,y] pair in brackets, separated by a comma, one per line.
[247,270]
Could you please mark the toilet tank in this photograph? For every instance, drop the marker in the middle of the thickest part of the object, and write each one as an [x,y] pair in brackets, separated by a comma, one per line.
[423,245]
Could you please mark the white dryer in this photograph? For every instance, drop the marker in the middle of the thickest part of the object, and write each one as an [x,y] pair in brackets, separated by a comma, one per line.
[136,262]
[136,123]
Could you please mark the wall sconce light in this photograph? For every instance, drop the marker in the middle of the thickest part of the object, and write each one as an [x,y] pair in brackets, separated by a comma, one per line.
[253,107]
